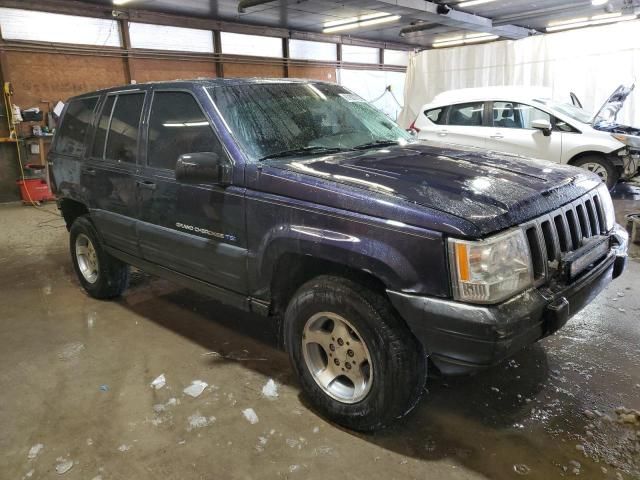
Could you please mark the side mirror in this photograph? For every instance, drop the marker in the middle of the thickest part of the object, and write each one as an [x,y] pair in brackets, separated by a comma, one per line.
[203,167]
[543,125]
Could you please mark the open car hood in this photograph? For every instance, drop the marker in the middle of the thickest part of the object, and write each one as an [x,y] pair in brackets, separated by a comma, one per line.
[609,111]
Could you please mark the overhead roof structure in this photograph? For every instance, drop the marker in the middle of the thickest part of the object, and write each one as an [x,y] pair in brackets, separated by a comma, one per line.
[415,23]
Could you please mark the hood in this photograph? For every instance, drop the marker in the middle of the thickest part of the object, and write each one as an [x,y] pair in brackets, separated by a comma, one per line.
[491,191]
[609,111]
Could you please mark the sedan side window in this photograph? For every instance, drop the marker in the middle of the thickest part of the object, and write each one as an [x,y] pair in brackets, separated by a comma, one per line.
[516,115]
[178,126]
[467,114]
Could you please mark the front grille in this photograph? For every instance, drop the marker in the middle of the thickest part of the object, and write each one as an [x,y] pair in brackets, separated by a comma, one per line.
[563,230]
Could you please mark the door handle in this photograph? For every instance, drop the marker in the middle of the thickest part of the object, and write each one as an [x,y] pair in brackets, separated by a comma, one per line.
[146,184]
[443,133]
[89,171]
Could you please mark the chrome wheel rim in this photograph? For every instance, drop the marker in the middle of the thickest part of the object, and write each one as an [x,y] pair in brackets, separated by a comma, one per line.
[337,357]
[597,169]
[87,258]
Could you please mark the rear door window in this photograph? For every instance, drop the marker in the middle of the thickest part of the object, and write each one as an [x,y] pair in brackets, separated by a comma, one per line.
[122,137]
[71,136]
[467,114]
[177,126]
[103,126]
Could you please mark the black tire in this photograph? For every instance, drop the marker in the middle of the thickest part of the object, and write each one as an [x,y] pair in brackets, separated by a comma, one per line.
[398,361]
[112,276]
[612,174]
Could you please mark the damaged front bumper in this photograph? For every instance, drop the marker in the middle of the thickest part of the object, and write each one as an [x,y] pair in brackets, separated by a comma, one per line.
[461,338]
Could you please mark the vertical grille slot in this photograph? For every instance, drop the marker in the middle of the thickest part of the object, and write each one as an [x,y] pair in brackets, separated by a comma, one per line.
[601,222]
[549,243]
[574,228]
[593,218]
[584,222]
[563,235]
[537,258]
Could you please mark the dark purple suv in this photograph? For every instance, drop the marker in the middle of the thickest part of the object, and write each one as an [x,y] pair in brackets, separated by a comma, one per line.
[297,200]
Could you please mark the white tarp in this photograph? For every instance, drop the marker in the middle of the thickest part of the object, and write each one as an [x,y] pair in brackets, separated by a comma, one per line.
[371,85]
[590,62]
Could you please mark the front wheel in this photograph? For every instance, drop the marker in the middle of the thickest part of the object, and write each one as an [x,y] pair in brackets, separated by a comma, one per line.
[356,360]
[602,167]
[101,275]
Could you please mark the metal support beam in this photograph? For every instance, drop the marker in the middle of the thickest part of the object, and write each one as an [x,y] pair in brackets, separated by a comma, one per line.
[217,49]
[130,69]
[285,55]
[431,12]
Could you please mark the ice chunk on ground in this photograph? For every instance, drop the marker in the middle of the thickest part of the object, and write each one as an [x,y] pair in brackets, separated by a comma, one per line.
[124,448]
[35,450]
[196,388]
[270,390]
[199,421]
[63,465]
[159,382]
[250,415]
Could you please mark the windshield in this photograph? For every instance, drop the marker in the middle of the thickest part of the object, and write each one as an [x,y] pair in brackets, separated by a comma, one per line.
[567,109]
[280,119]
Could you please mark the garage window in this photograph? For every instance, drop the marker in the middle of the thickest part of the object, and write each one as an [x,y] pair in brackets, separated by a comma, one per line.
[467,114]
[254,45]
[178,126]
[73,131]
[17,24]
[162,37]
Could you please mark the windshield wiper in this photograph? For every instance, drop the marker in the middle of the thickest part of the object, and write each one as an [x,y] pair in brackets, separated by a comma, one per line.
[376,143]
[311,150]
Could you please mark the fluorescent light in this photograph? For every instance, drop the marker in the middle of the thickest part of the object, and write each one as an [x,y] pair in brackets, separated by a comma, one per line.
[469,38]
[597,3]
[471,3]
[120,2]
[606,15]
[344,21]
[365,23]
[595,20]
[567,22]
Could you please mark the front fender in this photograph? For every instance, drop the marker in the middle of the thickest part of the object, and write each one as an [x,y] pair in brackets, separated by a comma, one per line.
[402,257]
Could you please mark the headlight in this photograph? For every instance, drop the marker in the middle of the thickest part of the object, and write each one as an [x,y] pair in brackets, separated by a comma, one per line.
[490,270]
[629,140]
[607,207]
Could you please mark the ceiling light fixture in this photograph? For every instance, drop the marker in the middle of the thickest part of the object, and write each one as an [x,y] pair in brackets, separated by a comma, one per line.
[467,39]
[472,3]
[344,21]
[120,2]
[361,23]
[589,22]
[597,3]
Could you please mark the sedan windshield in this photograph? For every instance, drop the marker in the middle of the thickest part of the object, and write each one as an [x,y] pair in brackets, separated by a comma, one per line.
[280,119]
[567,109]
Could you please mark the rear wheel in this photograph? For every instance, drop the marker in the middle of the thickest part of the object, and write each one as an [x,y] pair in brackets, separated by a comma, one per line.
[356,360]
[101,275]
[602,167]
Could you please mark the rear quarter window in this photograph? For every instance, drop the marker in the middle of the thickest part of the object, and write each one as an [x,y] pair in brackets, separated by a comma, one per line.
[436,115]
[72,133]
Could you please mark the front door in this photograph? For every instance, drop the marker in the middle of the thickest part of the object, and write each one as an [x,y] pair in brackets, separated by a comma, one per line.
[111,171]
[197,230]
[512,132]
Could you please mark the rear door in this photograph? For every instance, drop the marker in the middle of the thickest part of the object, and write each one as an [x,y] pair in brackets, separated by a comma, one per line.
[464,125]
[511,132]
[111,172]
[198,230]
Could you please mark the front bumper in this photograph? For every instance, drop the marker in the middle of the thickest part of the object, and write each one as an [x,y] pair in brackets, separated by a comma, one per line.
[461,338]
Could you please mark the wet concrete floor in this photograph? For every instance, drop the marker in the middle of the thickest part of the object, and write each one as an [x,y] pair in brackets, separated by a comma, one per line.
[75,394]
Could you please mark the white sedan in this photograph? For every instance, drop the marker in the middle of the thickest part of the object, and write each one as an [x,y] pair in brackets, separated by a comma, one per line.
[524,121]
